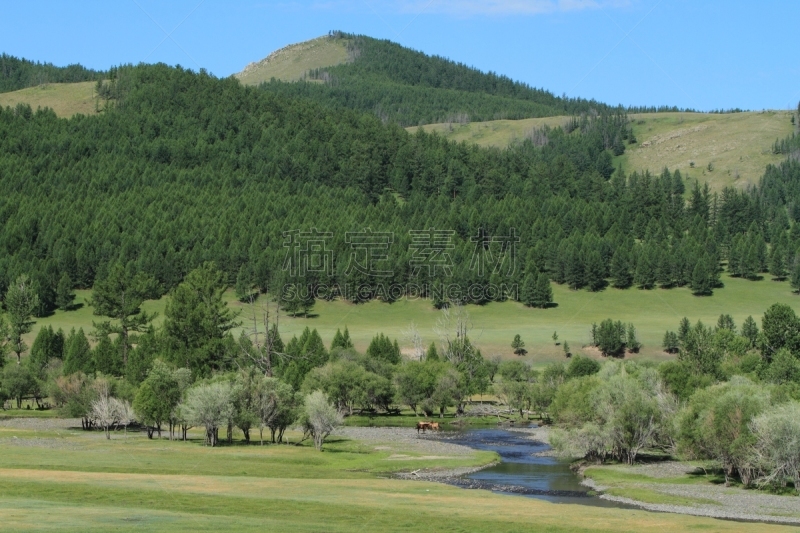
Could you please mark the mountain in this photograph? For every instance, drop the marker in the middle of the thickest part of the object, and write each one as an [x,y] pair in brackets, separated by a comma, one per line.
[401,85]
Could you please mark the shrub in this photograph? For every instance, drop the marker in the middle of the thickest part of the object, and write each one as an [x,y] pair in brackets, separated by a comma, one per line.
[716,425]
[209,405]
[321,418]
[582,366]
[777,445]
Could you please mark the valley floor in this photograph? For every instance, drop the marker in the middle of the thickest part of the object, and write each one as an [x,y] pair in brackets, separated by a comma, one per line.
[55,477]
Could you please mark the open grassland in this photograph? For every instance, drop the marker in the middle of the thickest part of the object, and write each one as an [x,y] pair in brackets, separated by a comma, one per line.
[66,99]
[68,480]
[292,62]
[737,145]
[496,133]
[494,325]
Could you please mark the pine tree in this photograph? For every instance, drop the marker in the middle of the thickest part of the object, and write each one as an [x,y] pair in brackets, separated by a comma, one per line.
[528,292]
[750,330]
[543,295]
[671,344]
[42,351]
[750,265]
[665,269]
[566,349]
[338,340]
[777,263]
[518,345]
[346,342]
[21,302]
[761,254]
[621,269]
[432,354]
[77,353]
[64,294]
[701,284]
[595,272]
[106,357]
[382,348]
[683,329]
[574,274]
[119,297]
[726,322]
[632,343]
[795,281]
[244,284]
[735,257]
[645,276]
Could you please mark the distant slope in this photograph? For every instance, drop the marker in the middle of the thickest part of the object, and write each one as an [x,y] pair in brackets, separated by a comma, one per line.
[738,145]
[16,73]
[66,99]
[402,85]
[497,133]
[292,62]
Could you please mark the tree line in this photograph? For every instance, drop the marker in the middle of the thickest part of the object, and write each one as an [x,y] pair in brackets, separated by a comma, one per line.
[17,73]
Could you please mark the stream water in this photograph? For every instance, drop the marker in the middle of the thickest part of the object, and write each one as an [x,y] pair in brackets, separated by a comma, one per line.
[523,471]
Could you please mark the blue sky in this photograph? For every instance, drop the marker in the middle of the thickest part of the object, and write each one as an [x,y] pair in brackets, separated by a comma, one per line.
[690,53]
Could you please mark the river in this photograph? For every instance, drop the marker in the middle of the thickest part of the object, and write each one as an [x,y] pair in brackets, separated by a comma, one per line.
[523,470]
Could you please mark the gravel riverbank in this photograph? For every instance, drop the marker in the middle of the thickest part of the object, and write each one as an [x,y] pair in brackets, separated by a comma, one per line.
[731,503]
[429,443]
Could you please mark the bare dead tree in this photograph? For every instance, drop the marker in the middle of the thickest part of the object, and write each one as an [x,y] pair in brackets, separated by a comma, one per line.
[411,335]
[262,351]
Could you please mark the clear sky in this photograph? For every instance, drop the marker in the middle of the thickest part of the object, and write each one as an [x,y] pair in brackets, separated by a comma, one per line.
[690,53]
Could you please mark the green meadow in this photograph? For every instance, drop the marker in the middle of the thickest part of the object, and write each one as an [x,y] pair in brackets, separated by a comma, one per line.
[69,480]
[494,325]
[737,146]
[66,99]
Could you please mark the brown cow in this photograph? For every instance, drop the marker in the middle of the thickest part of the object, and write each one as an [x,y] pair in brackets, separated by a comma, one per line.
[423,426]
[434,426]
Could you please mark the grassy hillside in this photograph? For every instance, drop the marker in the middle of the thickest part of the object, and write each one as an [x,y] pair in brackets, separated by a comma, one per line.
[66,480]
[497,133]
[495,324]
[66,99]
[292,62]
[737,145]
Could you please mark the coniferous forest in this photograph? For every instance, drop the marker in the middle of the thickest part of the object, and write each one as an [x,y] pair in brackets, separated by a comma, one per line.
[183,168]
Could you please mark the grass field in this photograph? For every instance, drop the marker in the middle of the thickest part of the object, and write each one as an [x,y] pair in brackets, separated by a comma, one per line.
[737,145]
[494,325]
[496,133]
[68,480]
[66,99]
[292,62]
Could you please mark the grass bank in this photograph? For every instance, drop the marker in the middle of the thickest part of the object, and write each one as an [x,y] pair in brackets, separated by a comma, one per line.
[91,484]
